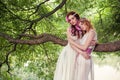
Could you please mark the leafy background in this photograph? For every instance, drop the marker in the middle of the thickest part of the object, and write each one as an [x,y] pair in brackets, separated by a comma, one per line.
[37,62]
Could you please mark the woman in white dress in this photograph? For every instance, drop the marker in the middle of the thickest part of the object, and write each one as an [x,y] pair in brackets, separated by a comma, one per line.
[84,66]
[71,57]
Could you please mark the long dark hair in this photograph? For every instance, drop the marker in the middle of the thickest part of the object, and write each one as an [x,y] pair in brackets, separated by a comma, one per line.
[75,29]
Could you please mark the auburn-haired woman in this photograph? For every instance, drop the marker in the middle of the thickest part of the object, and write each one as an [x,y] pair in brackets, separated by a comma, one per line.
[74,62]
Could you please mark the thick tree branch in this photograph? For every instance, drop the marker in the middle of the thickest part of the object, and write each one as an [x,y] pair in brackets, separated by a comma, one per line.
[36,39]
[108,47]
[43,38]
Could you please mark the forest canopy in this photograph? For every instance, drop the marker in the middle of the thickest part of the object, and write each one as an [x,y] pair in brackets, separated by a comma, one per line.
[34,32]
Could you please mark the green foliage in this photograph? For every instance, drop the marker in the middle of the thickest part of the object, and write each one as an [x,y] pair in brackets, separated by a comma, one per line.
[37,62]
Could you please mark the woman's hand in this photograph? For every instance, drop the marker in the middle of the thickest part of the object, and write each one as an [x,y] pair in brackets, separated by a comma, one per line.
[85,55]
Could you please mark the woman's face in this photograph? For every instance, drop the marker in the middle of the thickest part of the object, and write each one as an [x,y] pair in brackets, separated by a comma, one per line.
[83,26]
[72,20]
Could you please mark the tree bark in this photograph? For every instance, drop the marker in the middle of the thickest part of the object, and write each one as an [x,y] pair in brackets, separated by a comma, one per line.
[43,38]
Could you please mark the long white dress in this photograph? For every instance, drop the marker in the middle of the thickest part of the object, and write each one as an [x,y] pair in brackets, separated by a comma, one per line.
[71,66]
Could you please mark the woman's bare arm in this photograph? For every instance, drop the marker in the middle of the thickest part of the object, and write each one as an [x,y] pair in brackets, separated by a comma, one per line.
[87,43]
[69,33]
[83,53]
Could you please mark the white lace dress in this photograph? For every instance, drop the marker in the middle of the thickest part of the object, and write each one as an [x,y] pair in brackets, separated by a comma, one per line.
[70,66]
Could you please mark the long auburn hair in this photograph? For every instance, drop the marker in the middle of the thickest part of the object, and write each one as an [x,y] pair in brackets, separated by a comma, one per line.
[86,22]
[74,31]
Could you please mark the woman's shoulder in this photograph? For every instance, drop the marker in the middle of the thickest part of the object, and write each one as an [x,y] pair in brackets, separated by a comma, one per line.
[92,31]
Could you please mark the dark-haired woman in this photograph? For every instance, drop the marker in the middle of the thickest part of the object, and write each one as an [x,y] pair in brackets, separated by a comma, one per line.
[74,62]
